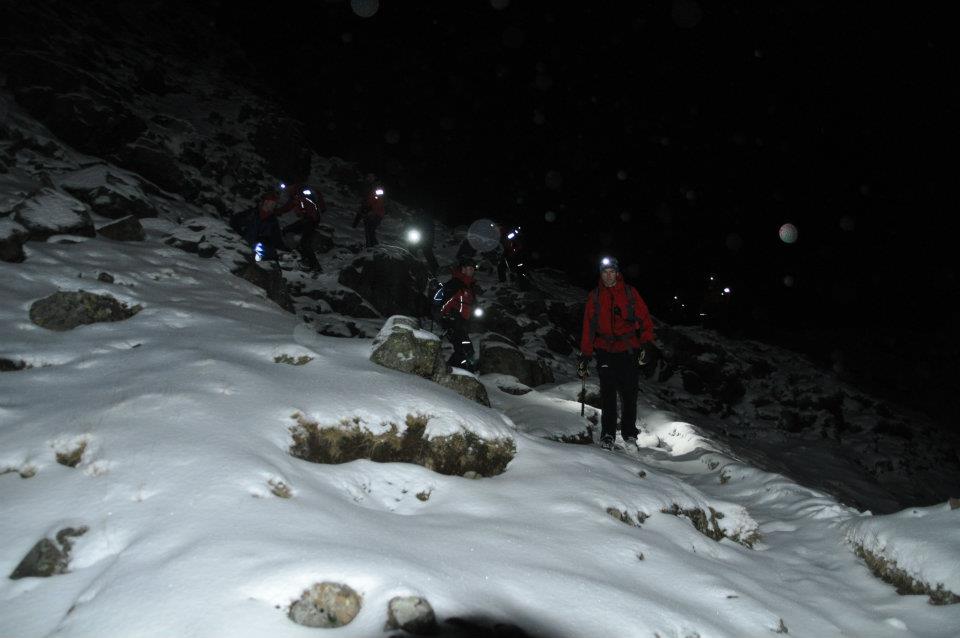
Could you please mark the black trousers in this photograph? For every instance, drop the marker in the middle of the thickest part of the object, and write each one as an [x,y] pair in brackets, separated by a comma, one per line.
[462,357]
[307,229]
[370,224]
[619,376]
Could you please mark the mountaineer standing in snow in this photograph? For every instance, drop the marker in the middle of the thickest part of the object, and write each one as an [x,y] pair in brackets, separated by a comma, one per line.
[371,212]
[616,327]
[260,228]
[460,296]
[308,204]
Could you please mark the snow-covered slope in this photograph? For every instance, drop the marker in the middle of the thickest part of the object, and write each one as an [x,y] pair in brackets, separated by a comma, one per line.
[154,453]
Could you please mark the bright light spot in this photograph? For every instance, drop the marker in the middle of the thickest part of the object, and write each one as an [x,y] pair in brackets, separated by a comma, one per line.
[550,216]
[788,233]
[478,312]
[258,252]
[282,186]
[378,192]
[676,298]
[511,236]
[307,191]
[727,290]
[365,8]
[605,261]
[413,236]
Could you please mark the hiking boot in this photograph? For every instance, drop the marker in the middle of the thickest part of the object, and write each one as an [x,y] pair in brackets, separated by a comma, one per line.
[606,442]
[630,444]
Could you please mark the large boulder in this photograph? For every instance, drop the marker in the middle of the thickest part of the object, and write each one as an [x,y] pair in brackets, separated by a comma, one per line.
[500,356]
[402,345]
[270,278]
[155,162]
[391,279]
[67,310]
[126,229]
[51,212]
[464,384]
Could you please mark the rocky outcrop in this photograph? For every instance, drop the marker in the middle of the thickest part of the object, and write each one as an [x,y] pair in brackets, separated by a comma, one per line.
[51,212]
[67,310]
[270,279]
[390,279]
[499,356]
[402,345]
[126,229]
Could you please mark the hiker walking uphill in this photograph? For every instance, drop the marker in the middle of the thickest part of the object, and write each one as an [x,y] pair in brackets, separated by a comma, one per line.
[308,205]
[616,327]
[261,228]
[371,212]
[460,296]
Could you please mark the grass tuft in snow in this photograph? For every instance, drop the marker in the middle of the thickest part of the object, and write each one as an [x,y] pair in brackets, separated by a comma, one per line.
[9,365]
[889,572]
[583,437]
[624,517]
[25,472]
[298,361]
[460,454]
[709,526]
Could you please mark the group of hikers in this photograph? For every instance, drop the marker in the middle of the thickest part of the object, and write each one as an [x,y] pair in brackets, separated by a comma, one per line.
[616,327]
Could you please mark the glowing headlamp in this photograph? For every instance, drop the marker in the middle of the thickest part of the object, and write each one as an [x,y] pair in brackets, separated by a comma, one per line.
[378,192]
[478,312]
[605,262]
[307,191]
[413,236]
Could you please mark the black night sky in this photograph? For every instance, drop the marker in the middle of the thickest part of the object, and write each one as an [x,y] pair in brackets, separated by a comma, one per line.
[677,135]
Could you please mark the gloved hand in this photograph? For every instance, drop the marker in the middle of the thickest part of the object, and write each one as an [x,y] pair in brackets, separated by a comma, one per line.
[582,363]
[642,356]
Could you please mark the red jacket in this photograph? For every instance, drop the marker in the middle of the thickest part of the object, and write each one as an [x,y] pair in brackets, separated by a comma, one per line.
[609,326]
[373,205]
[461,297]
[307,206]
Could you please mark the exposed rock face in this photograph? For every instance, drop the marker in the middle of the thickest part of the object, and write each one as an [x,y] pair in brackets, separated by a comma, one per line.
[390,279]
[402,345]
[126,229]
[67,310]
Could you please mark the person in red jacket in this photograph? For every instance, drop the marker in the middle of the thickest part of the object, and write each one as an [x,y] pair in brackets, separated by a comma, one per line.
[372,209]
[460,297]
[308,205]
[616,327]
